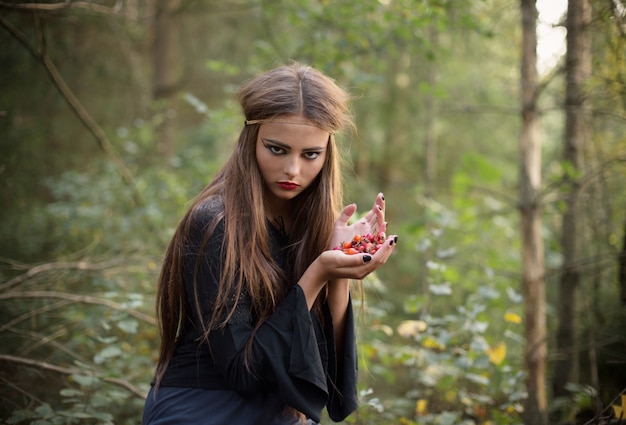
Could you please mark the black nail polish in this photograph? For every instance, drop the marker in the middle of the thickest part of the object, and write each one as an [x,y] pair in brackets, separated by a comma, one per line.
[383,197]
[391,242]
[395,239]
[380,208]
[367,258]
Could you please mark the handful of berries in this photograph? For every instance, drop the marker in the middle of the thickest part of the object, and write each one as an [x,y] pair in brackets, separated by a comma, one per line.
[362,244]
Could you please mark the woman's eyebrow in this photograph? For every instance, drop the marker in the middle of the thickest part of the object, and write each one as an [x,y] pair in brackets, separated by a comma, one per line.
[277,143]
[287,147]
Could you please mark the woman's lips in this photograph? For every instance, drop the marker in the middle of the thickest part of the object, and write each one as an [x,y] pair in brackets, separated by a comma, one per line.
[288,185]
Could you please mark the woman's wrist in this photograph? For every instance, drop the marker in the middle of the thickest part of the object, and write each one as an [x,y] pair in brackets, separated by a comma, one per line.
[339,286]
[338,293]
[312,282]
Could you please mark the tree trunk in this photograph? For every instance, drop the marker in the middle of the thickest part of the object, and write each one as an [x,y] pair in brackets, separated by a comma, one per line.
[578,70]
[622,266]
[430,115]
[166,70]
[530,208]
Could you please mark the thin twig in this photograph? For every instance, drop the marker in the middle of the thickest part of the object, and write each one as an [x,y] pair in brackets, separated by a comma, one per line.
[608,407]
[45,340]
[61,265]
[73,371]
[11,385]
[40,340]
[87,299]
[79,110]
[33,313]
[67,4]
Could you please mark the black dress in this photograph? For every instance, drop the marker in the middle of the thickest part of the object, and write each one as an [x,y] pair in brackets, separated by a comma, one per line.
[293,355]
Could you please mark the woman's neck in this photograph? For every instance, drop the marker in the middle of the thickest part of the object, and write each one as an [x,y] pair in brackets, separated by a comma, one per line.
[280,224]
[280,218]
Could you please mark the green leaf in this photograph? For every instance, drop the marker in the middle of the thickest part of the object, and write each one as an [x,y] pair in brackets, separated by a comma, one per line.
[413,303]
[487,292]
[19,416]
[44,410]
[129,326]
[477,379]
[107,353]
[448,418]
[70,392]
[441,289]
[85,381]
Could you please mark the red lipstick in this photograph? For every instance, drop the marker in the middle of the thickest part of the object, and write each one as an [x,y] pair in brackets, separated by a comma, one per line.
[288,185]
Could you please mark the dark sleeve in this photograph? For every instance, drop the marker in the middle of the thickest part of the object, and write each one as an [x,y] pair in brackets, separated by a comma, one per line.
[285,357]
[342,373]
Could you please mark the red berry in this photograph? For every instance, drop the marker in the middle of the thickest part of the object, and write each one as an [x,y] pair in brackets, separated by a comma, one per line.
[367,243]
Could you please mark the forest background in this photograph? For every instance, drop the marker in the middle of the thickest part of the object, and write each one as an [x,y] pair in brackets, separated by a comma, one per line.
[114,114]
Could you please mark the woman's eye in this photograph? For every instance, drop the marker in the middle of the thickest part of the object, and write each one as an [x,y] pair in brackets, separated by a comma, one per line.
[275,149]
[311,155]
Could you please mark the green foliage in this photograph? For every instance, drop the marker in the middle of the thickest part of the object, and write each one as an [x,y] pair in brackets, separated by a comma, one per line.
[455,355]
[441,342]
[95,303]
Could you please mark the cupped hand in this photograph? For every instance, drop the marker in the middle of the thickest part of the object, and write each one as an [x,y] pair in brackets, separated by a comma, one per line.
[372,222]
[334,264]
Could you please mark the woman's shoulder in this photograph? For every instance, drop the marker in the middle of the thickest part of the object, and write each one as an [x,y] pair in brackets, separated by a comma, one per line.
[207,214]
[210,208]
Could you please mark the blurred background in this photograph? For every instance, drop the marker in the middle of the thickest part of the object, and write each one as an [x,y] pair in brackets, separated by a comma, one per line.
[114,114]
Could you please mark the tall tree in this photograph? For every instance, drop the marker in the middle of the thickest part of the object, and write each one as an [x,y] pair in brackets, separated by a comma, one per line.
[577,125]
[166,69]
[622,266]
[530,207]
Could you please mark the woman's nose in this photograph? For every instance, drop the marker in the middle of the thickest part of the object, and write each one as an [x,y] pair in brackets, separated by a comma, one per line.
[292,167]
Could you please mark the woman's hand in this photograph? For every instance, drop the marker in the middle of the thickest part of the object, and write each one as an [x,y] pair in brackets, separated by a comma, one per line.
[334,264]
[373,222]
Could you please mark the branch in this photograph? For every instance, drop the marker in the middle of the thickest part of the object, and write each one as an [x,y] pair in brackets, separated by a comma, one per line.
[77,265]
[45,340]
[32,313]
[480,109]
[72,371]
[617,18]
[67,4]
[78,109]
[595,420]
[546,80]
[21,391]
[87,299]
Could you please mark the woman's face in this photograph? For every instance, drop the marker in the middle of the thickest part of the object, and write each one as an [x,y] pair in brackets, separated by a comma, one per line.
[290,152]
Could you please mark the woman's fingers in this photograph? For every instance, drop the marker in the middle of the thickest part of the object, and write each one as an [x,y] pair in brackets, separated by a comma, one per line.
[377,217]
[345,215]
[374,220]
[358,266]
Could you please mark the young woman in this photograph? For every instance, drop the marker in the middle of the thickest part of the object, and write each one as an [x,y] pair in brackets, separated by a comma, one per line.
[253,303]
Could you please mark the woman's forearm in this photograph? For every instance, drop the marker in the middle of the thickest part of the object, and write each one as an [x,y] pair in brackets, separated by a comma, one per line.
[312,283]
[338,299]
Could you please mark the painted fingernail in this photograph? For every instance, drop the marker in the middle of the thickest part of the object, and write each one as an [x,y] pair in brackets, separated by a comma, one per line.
[391,242]
[383,197]
[379,207]
[367,258]
[395,239]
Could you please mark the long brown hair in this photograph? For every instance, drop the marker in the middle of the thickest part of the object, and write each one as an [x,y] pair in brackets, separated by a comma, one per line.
[293,89]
